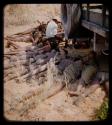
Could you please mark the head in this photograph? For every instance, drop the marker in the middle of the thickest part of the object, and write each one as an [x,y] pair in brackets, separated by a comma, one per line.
[55,20]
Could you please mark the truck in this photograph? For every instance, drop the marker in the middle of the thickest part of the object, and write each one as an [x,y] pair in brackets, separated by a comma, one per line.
[87,20]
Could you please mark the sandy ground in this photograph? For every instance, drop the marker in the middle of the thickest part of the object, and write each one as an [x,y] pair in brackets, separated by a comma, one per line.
[56,108]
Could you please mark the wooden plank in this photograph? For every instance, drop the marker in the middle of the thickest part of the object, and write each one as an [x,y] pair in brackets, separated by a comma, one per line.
[93,6]
[84,5]
[95,28]
[96,16]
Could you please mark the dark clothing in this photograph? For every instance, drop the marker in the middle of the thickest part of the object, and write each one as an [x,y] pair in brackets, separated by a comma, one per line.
[53,43]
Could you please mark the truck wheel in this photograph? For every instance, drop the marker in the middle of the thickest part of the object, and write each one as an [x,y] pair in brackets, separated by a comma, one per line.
[71,14]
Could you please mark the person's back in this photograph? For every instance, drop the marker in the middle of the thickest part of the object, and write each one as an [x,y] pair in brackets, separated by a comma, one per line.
[51,29]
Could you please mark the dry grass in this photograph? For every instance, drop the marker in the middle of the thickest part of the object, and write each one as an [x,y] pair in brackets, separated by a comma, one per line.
[20,17]
[22,14]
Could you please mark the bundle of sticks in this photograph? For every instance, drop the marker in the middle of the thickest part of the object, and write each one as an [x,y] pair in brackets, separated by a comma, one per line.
[34,35]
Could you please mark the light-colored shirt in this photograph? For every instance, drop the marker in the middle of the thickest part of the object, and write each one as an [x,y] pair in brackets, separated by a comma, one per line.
[51,29]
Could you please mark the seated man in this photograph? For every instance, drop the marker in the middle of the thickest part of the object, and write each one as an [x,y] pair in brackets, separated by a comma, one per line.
[51,31]
[52,27]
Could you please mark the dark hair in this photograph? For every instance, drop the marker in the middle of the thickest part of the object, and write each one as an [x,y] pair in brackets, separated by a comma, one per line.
[55,20]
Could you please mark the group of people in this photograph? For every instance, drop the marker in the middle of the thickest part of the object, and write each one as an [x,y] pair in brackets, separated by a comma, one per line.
[83,69]
[89,62]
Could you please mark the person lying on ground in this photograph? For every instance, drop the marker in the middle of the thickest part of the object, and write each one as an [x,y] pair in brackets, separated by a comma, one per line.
[85,70]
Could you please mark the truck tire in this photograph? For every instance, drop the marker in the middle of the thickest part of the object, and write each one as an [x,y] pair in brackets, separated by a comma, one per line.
[71,14]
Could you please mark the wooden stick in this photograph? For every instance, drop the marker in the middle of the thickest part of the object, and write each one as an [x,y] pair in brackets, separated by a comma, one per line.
[11,53]
[26,32]
[13,44]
